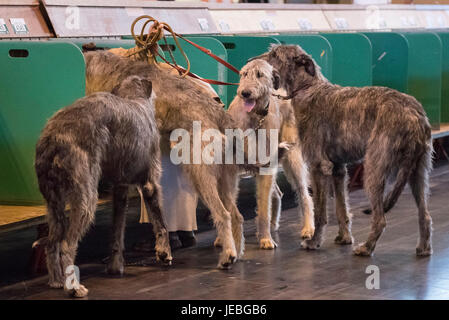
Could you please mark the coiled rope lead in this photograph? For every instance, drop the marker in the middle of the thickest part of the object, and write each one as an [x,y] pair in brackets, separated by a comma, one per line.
[149,42]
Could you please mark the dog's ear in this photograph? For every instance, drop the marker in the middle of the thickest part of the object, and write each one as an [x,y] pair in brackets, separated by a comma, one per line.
[307,62]
[148,86]
[263,56]
[276,79]
[309,65]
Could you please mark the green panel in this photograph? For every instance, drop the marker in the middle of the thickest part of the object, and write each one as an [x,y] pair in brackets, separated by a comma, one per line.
[32,89]
[444,37]
[101,43]
[315,45]
[201,63]
[240,49]
[424,65]
[352,56]
[390,59]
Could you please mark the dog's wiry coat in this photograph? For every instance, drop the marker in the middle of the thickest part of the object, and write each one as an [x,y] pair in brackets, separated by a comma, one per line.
[258,80]
[180,102]
[109,135]
[338,125]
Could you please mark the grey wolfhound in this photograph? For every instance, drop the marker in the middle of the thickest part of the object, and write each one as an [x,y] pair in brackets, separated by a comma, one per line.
[110,135]
[338,125]
[255,107]
[179,102]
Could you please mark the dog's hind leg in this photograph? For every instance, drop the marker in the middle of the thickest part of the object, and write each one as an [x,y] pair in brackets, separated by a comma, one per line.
[376,171]
[120,202]
[152,194]
[319,186]
[83,204]
[339,179]
[228,194]
[57,224]
[393,196]
[297,174]
[276,206]
[205,182]
[264,185]
[419,183]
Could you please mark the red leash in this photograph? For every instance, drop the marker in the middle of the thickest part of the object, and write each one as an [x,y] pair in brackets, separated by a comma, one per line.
[209,53]
[190,74]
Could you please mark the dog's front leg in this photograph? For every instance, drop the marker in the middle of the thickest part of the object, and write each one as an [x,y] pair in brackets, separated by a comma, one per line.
[297,174]
[120,200]
[264,185]
[319,184]
[152,194]
[339,178]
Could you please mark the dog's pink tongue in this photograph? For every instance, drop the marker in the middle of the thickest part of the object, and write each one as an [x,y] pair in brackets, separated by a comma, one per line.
[249,105]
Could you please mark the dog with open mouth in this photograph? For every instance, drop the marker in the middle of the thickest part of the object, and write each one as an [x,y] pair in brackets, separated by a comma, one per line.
[256,107]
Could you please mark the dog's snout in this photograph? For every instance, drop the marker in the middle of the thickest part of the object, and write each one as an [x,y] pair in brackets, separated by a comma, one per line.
[246,93]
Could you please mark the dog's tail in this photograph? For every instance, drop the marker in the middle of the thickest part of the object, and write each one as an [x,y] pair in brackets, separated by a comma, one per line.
[393,196]
[403,175]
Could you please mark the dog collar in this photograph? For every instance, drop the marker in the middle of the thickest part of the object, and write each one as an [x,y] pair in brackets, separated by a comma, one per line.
[263,114]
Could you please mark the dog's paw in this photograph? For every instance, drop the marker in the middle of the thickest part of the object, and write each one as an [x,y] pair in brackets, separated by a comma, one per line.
[218,243]
[424,250]
[267,243]
[115,265]
[307,233]
[227,258]
[313,244]
[164,256]
[56,284]
[344,239]
[79,292]
[362,250]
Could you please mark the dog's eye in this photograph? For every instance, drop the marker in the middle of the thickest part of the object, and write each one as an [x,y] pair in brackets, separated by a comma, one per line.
[244,74]
[259,74]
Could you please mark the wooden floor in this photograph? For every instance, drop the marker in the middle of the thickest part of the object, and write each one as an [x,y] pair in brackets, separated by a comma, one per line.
[287,272]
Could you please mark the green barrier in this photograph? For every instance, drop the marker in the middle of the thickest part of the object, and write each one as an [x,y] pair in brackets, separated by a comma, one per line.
[352,56]
[38,80]
[424,72]
[390,59]
[315,45]
[201,64]
[239,50]
[398,64]
[104,43]
[444,37]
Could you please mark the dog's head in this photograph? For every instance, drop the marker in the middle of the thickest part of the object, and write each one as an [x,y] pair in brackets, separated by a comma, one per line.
[292,62]
[134,87]
[258,80]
